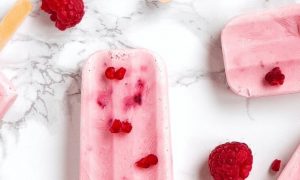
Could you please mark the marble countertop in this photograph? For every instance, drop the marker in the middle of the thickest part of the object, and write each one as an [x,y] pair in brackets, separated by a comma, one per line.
[39,136]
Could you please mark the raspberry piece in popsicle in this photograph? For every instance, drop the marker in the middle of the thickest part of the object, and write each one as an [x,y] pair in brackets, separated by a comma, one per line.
[126,127]
[120,73]
[116,126]
[147,161]
[275,77]
[110,73]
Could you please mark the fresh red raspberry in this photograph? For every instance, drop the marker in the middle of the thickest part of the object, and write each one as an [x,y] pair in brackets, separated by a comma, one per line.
[120,73]
[126,127]
[110,73]
[230,161]
[276,165]
[147,161]
[116,126]
[275,77]
[65,13]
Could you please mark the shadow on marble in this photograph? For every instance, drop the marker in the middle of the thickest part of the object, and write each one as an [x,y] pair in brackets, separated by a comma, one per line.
[204,173]
[215,59]
[223,92]
[72,150]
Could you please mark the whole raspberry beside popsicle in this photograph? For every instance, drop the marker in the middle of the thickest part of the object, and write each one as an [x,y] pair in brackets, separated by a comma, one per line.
[65,13]
[230,161]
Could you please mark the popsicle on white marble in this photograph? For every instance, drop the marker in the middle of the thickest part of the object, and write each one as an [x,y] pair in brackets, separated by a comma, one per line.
[292,169]
[7,95]
[262,43]
[125,132]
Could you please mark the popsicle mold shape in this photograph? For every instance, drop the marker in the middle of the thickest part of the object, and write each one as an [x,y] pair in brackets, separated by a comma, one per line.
[13,19]
[7,95]
[124,117]
[255,44]
[292,169]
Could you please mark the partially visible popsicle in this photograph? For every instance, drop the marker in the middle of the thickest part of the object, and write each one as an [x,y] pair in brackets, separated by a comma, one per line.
[13,19]
[125,133]
[262,52]
[7,95]
[292,169]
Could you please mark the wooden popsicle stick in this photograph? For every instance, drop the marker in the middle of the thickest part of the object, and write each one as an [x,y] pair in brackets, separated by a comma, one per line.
[13,19]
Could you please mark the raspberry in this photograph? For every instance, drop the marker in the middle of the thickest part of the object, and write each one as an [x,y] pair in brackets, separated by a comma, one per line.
[126,127]
[110,73]
[120,73]
[147,161]
[275,77]
[230,161]
[276,165]
[65,13]
[116,126]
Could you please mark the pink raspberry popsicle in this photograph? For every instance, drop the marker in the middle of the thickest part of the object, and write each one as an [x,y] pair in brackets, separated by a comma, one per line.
[125,126]
[262,52]
[292,169]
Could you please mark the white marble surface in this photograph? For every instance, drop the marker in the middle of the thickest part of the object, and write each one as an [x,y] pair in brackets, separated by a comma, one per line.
[39,136]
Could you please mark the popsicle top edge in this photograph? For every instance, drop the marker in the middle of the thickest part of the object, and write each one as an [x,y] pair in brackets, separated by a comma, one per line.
[161,64]
[261,12]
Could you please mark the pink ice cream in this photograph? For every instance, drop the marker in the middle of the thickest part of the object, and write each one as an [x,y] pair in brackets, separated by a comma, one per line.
[141,99]
[256,43]
[7,95]
[292,169]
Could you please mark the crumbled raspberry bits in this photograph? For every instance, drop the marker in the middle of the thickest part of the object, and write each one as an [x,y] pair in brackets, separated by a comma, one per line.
[111,73]
[120,126]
